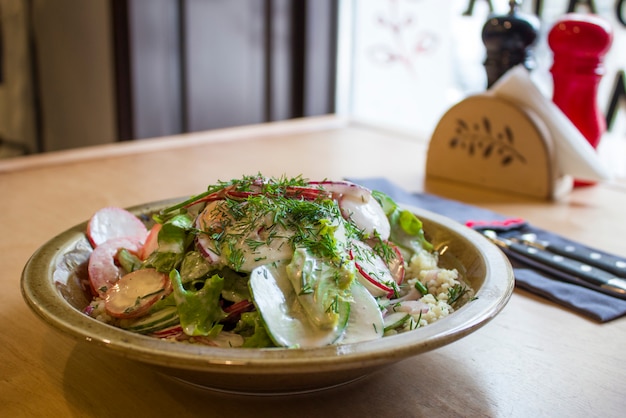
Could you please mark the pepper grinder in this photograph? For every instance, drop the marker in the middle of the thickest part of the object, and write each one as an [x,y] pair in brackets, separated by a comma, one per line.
[509,40]
[579,43]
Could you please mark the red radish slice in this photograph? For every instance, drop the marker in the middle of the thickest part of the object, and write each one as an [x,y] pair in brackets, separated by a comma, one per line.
[371,283]
[239,194]
[235,310]
[173,331]
[219,195]
[152,241]
[224,339]
[396,264]
[135,293]
[203,244]
[367,215]
[103,272]
[306,193]
[294,192]
[210,219]
[373,272]
[358,205]
[114,222]
[394,261]
[344,188]
[239,307]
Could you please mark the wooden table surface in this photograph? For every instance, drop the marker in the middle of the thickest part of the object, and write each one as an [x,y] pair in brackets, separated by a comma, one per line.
[534,359]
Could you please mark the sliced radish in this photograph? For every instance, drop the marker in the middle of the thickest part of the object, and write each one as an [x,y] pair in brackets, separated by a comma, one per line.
[306,193]
[229,192]
[102,269]
[344,188]
[133,294]
[394,260]
[210,220]
[373,272]
[239,307]
[219,195]
[235,310]
[203,244]
[224,339]
[239,194]
[152,241]
[371,283]
[113,222]
[367,215]
[173,331]
[358,205]
[396,264]
[216,219]
[293,192]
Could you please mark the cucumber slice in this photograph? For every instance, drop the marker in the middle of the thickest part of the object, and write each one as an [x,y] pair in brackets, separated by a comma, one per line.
[319,286]
[155,321]
[396,320]
[366,320]
[285,319]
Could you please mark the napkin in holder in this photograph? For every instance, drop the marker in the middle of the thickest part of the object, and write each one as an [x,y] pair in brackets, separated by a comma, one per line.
[512,139]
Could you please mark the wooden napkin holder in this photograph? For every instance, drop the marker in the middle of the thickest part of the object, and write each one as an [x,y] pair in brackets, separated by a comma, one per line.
[489,142]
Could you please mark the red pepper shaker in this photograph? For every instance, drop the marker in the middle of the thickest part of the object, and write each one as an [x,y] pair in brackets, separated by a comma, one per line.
[579,43]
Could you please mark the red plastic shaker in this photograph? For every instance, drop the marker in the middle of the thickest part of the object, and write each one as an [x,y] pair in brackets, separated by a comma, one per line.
[579,43]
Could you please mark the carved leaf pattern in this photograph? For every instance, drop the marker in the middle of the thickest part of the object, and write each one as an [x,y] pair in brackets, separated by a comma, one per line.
[487,125]
[480,140]
[509,134]
[487,151]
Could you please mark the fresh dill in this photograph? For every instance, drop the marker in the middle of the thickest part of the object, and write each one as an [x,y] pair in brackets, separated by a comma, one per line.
[455,293]
[334,305]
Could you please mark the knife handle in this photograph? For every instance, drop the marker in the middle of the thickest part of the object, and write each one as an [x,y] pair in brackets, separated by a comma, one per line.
[590,274]
[610,263]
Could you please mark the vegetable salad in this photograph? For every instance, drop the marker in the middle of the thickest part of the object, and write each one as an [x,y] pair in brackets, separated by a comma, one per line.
[270,262]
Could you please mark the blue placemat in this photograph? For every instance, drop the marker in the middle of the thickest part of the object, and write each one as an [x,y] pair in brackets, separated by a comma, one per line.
[577,297]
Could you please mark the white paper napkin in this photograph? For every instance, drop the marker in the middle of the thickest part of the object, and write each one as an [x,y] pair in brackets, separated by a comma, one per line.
[574,155]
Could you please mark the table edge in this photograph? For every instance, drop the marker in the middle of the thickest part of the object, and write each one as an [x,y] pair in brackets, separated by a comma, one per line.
[279,128]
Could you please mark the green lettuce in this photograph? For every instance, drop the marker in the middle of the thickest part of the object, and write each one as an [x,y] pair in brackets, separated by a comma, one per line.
[406,228]
[253,330]
[199,310]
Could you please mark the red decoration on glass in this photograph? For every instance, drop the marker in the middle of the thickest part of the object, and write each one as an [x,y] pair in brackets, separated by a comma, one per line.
[579,44]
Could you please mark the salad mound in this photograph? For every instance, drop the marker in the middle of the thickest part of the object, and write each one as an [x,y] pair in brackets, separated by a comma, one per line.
[270,262]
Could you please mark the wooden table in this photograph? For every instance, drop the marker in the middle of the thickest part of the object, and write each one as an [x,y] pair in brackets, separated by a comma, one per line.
[534,359]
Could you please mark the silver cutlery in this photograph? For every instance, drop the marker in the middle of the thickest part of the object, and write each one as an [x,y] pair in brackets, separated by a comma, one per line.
[613,264]
[562,266]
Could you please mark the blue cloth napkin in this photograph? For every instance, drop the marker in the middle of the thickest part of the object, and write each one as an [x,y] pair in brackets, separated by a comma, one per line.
[563,290]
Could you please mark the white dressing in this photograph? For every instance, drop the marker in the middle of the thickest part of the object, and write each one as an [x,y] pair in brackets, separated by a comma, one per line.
[285,319]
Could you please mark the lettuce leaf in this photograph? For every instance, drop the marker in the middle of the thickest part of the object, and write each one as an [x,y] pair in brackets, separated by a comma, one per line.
[253,330]
[199,310]
[406,229]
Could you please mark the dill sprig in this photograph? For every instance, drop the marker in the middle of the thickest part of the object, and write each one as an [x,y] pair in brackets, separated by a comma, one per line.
[249,183]
[455,293]
[255,206]
[383,249]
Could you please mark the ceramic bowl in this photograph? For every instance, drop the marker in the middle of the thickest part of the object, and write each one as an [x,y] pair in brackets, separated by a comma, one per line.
[51,288]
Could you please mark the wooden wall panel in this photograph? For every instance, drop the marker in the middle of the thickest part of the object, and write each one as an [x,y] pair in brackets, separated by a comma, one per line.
[280,64]
[192,65]
[155,68]
[320,61]
[75,80]
[225,53]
